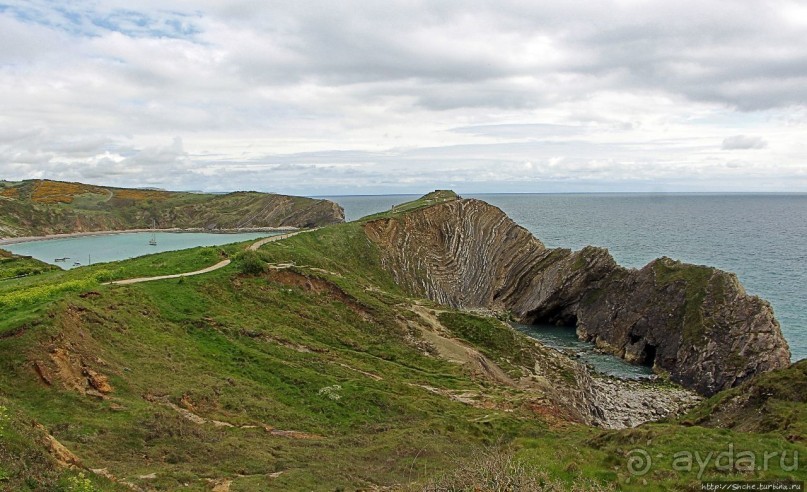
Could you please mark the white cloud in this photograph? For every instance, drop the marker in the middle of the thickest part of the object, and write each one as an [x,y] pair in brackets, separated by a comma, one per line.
[402,96]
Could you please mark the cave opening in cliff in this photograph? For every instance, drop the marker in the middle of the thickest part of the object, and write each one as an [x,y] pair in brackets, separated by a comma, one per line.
[563,320]
[649,355]
[556,318]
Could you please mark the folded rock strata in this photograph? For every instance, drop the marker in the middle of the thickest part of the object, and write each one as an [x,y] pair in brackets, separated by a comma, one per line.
[695,323]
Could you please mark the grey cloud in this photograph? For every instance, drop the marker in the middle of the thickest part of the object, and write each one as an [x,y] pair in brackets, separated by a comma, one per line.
[307,76]
[524,130]
[743,142]
[713,52]
[470,56]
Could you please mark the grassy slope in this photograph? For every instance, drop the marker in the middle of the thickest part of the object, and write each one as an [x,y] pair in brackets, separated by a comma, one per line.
[39,207]
[319,349]
[14,266]
[248,350]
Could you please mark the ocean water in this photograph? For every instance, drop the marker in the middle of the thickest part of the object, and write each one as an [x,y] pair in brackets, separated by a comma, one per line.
[760,237]
[113,247]
[358,206]
[564,339]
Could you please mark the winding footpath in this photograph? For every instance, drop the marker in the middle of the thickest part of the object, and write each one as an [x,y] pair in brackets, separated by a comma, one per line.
[223,263]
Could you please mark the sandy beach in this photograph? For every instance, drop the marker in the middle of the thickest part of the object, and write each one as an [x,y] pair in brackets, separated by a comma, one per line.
[26,239]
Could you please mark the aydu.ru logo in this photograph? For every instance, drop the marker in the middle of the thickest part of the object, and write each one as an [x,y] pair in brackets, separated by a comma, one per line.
[640,462]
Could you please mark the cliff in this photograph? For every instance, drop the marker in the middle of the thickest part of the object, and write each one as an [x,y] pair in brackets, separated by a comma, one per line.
[41,207]
[694,322]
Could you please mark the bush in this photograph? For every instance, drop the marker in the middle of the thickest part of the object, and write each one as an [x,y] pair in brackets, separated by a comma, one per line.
[80,483]
[40,293]
[251,263]
[332,392]
[496,469]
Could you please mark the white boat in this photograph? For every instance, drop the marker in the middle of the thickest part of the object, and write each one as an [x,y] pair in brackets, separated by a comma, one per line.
[153,240]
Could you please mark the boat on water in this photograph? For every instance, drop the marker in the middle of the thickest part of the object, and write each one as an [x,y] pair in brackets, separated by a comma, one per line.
[78,263]
[153,240]
[61,260]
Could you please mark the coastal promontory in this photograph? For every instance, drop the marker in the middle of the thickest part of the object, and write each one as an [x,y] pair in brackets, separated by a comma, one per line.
[695,323]
[42,207]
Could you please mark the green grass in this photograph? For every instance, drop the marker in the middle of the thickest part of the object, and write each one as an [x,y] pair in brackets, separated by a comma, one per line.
[21,298]
[250,350]
[678,457]
[494,338]
[428,200]
[14,266]
[695,279]
[258,347]
[774,402]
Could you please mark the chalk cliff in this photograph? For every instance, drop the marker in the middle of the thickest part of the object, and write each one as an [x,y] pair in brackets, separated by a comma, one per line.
[694,322]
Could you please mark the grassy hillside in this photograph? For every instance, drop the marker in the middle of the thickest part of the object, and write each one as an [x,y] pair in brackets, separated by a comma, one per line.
[303,367]
[39,207]
[773,402]
[15,266]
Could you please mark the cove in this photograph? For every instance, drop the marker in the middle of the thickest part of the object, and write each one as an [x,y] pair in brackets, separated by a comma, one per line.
[103,248]
[564,339]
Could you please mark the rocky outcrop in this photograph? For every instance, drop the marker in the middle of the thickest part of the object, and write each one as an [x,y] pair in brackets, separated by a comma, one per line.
[694,322]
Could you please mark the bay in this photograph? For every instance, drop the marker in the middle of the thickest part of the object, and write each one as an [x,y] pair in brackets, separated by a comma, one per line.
[114,247]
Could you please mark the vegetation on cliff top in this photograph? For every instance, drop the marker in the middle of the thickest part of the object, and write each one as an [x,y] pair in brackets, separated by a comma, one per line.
[302,373]
[40,207]
[436,197]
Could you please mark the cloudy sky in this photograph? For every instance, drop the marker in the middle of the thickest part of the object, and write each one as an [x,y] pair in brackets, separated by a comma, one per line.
[370,97]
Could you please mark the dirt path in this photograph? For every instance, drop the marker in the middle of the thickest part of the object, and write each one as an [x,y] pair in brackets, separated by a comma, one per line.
[223,263]
[257,244]
[454,350]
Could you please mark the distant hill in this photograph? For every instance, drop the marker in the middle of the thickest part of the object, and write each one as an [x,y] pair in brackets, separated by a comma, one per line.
[40,207]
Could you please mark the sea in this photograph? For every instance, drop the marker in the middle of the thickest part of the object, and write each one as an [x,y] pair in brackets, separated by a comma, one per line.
[760,237]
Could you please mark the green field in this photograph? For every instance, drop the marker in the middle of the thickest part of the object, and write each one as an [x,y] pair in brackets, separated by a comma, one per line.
[307,372]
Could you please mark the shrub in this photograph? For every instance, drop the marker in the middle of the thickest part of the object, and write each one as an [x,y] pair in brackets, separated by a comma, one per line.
[251,263]
[103,275]
[496,469]
[332,392]
[39,293]
[80,483]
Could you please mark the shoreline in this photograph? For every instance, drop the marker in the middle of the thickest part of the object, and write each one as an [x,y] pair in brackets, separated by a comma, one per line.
[28,239]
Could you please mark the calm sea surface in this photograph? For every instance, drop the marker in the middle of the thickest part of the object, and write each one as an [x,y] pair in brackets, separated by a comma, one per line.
[760,237]
[114,247]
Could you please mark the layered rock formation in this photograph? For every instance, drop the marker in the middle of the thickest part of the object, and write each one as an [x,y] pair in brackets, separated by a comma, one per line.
[695,323]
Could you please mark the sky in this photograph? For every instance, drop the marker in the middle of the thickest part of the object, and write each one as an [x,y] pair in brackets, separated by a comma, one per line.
[372,97]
